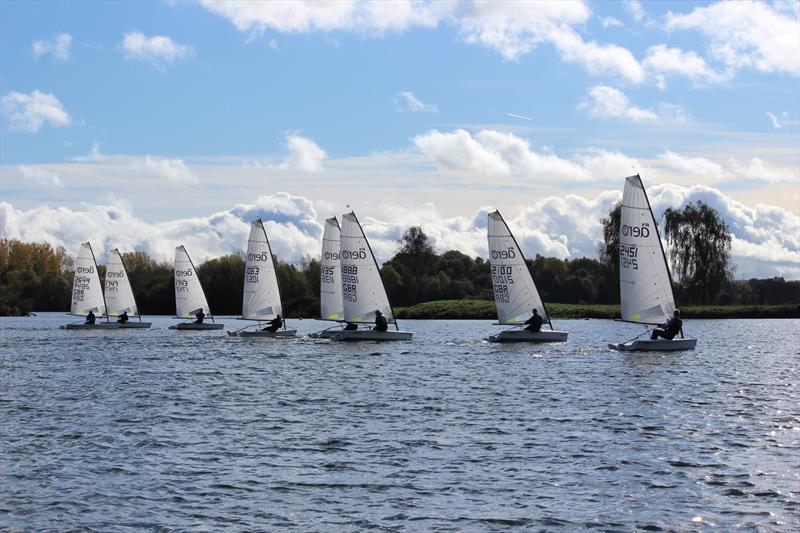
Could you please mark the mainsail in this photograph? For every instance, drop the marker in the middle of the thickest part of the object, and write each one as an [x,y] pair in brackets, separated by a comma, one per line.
[189,295]
[515,293]
[644,281]
[363,292]
[119,294]
[87,292]
[330,279]
[262,297]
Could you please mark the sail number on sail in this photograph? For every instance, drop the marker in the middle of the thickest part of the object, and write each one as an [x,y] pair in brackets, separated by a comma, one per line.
[627,255]
[251,274]
[350,283]
[81,283]
[112,285]
[501,278]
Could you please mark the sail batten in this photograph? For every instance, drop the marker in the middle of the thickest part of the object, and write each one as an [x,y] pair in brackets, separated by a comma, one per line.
[645,284]
[189,294]
[261,299]
[515,293]
[330,282]
[363,291]
[87,291]
[118,293]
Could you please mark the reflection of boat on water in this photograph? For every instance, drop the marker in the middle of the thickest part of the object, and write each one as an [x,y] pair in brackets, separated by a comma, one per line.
[261,298]
[515,293]
[645,284]
[87,292]
[331,306]
[189,295]
[363,292]
[119,294]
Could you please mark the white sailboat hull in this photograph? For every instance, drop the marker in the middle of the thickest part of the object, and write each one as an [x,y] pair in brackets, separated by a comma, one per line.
[135,325]
[660,345]
[280,334]
[371,335]
[521,335]
[191,326]
[326,333]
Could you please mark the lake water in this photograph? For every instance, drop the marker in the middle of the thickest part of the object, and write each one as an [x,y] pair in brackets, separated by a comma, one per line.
[163,430]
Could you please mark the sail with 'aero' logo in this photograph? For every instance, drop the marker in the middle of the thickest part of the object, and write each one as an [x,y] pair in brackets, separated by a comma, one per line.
[645,285]
[87,292]
[515,294]
[362,287]
[189,295]
[330,282]
[119,294]
[262,297]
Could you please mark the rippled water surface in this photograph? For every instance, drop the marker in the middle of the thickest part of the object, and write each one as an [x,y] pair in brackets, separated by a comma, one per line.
[163,430]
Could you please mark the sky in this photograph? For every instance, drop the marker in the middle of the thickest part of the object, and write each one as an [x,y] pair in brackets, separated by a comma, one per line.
[144,125]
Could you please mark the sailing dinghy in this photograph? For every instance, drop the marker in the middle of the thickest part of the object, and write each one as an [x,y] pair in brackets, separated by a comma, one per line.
[645,284]
[189,295]
[87,292]
[331,306]
[261,300]
[363,292]
[119,294]
[515,293]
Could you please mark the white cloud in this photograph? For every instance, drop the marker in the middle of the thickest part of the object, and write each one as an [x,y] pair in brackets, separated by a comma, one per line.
[747,34]
[611,22]
[597,59]
[516,28]
[775,122]
[40,176]
[304,155]
[703,169]
[608,102]
[160,50]
[29,112]
[373,17]
[460,152]
[59,48]
[93,156]
[661,58]
[172,169]
[406,101]
[635,9]
[766,239]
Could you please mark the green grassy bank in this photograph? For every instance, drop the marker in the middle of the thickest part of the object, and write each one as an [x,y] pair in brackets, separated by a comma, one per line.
[483,309]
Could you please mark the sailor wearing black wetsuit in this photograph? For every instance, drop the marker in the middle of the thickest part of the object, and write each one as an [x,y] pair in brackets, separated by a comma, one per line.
[535,322]
[669,329]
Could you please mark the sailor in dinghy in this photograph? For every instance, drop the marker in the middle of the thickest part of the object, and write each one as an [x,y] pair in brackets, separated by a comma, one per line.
[515,292]
[363,293]
[120,300]
[645,284]
[190,299]
[87,293]
[261,298]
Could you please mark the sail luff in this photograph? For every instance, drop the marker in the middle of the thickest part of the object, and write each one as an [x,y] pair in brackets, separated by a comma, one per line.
[330,280]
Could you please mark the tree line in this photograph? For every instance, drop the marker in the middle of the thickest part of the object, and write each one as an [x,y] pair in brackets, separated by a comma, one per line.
[38,277]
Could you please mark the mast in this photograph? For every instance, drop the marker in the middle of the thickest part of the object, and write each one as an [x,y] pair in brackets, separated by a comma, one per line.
[380,276]
[660,244]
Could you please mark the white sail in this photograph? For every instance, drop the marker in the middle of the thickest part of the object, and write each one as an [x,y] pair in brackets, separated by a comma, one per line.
[644,281]
[87,291]
[189,295]
[262,297]
[363,292]
[119,294]
[515,294]
[330,279]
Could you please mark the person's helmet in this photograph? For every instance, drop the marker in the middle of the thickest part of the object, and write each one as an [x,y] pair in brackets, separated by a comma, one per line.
[677,312]
[378,313]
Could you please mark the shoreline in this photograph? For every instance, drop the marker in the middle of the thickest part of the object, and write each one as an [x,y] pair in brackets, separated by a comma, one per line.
[485,310]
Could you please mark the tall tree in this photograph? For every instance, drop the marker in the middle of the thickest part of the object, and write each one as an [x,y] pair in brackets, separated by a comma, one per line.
[415,261]
[699,246]
[609,253]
